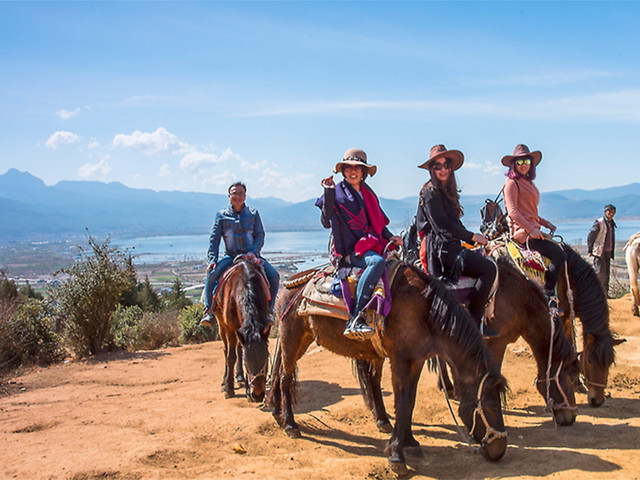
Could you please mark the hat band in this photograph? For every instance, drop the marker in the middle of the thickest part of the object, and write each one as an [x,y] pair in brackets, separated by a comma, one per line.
[354,159]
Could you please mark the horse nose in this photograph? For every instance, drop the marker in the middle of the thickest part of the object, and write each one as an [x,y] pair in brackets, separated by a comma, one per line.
[565,417]
[595,400]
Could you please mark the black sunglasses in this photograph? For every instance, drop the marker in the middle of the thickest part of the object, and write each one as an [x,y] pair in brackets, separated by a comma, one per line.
[437,166]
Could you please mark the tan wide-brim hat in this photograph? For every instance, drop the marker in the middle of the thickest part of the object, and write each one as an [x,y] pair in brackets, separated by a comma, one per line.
[456,157]
[355,156]
[522,151]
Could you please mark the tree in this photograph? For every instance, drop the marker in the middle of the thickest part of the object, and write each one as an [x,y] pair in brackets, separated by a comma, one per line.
[177,298]
[8,289]
[147,298]
[27,291]
[90,294]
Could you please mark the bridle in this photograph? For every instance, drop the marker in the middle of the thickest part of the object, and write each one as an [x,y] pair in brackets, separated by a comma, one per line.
[565,405]
[491,433]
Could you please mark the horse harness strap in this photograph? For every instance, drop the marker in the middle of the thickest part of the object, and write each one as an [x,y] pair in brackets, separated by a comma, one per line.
[491,433]
[565,405]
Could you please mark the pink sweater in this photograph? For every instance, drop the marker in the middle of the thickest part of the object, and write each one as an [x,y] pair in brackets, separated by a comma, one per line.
[521,198]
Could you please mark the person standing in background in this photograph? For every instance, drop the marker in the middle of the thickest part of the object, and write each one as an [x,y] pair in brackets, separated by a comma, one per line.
[601,243]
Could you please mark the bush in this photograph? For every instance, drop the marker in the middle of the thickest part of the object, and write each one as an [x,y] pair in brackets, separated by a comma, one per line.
[190,329]
[87,299]
[159,329]
[27,336]
[125,328]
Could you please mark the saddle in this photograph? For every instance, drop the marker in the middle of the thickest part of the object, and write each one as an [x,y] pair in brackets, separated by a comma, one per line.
[531,263]
[319,294]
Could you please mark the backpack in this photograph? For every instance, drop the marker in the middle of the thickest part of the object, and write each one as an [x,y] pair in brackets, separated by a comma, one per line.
[494,220]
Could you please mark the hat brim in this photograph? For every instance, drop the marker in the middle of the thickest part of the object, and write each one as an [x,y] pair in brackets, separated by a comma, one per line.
[371,169]
[536,156]
[456,157]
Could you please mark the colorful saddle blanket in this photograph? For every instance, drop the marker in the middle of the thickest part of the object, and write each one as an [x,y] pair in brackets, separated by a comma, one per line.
[319,296]
[531,263]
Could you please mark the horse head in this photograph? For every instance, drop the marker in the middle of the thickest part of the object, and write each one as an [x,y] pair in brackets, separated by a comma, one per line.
[595,361]
[558,386]
[482,414]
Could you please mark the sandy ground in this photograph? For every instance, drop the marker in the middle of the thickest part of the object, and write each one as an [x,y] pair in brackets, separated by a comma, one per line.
[161,415]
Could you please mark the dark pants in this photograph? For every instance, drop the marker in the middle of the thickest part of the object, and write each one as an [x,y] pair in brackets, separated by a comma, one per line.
[556,254]
[602,266]
[485,271]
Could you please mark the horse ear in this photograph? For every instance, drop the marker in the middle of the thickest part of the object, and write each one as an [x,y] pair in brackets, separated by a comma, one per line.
[618,341]
[266,330]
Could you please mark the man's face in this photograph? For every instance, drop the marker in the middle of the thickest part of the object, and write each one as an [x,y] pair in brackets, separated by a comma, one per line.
[609,214]
[237,196]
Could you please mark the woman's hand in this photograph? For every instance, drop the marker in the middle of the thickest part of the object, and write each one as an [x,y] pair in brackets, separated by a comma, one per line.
[396,240]
[479,238]
[535,233]
[328,182]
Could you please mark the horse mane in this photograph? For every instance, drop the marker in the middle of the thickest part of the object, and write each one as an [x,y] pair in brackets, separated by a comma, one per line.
[561,347]
[448,318]
[253,302]
[590,304]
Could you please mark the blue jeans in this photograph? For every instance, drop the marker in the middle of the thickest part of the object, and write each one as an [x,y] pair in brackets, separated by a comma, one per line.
[373,265]
[223,265]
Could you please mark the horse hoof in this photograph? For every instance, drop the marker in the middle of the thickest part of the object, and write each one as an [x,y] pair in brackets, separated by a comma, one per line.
[384,426]
[399,468]
[229,394]
[411,443]
[292,432]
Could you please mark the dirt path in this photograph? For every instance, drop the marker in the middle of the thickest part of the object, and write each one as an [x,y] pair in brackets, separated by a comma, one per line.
[161,415]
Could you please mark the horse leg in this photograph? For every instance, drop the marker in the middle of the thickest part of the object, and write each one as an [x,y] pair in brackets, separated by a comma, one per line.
[230,342]
[406,374]
[444,382]
[370,377]
[240,380]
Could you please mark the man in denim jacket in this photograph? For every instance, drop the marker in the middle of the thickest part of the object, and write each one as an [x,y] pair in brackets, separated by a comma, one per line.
[241,228]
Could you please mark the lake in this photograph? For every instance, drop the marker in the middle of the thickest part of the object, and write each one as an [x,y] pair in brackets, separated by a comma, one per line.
[312,243]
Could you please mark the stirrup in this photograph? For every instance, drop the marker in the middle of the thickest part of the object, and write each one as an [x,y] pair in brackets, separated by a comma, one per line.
[554,307]
[357,328]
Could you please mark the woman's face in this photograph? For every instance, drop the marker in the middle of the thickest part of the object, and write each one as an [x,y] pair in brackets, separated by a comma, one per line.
[353,174]
[523,165]
[441,169]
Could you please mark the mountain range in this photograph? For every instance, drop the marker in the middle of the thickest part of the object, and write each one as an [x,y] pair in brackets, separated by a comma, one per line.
[33,211]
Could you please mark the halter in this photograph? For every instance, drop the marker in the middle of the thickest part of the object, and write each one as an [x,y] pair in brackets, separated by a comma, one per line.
[565,405]
[491,433]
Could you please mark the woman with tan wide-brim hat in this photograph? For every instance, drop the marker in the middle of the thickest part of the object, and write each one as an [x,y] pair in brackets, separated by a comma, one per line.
[359,229]
[521,199]
[442,233]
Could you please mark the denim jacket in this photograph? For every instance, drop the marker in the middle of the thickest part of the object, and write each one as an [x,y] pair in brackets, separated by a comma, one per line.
[242,232]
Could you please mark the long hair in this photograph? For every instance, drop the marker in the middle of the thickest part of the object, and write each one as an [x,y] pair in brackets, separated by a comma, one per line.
[449,190]
[513,174]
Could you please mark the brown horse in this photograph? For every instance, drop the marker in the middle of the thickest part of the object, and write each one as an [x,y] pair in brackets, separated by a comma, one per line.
[521,311]
[424,321]
[241,309]
[591,307]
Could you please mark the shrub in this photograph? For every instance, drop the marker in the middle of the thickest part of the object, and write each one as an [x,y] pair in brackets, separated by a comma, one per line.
[125,328]
[159,329]
[27,335]
[86,300]
[190,329]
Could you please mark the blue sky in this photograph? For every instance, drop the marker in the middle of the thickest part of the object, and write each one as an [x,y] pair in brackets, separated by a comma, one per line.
[194,95]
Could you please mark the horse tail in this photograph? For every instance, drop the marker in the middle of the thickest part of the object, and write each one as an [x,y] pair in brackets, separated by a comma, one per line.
[364,371]
[590,300]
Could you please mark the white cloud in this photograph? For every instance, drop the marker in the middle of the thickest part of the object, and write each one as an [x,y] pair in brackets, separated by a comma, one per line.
[218,180]
[196,160]
[165,171]
[491,168]
[95,170]
[67,114]
[151,143]
[62,138]
[93,143]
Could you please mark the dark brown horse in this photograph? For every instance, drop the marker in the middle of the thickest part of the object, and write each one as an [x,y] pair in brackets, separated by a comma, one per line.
[242,312]
[521,311]
[424,321]
[591,307]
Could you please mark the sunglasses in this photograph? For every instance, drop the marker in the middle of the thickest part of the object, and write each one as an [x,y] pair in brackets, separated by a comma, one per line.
[439,166]
[523,161]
